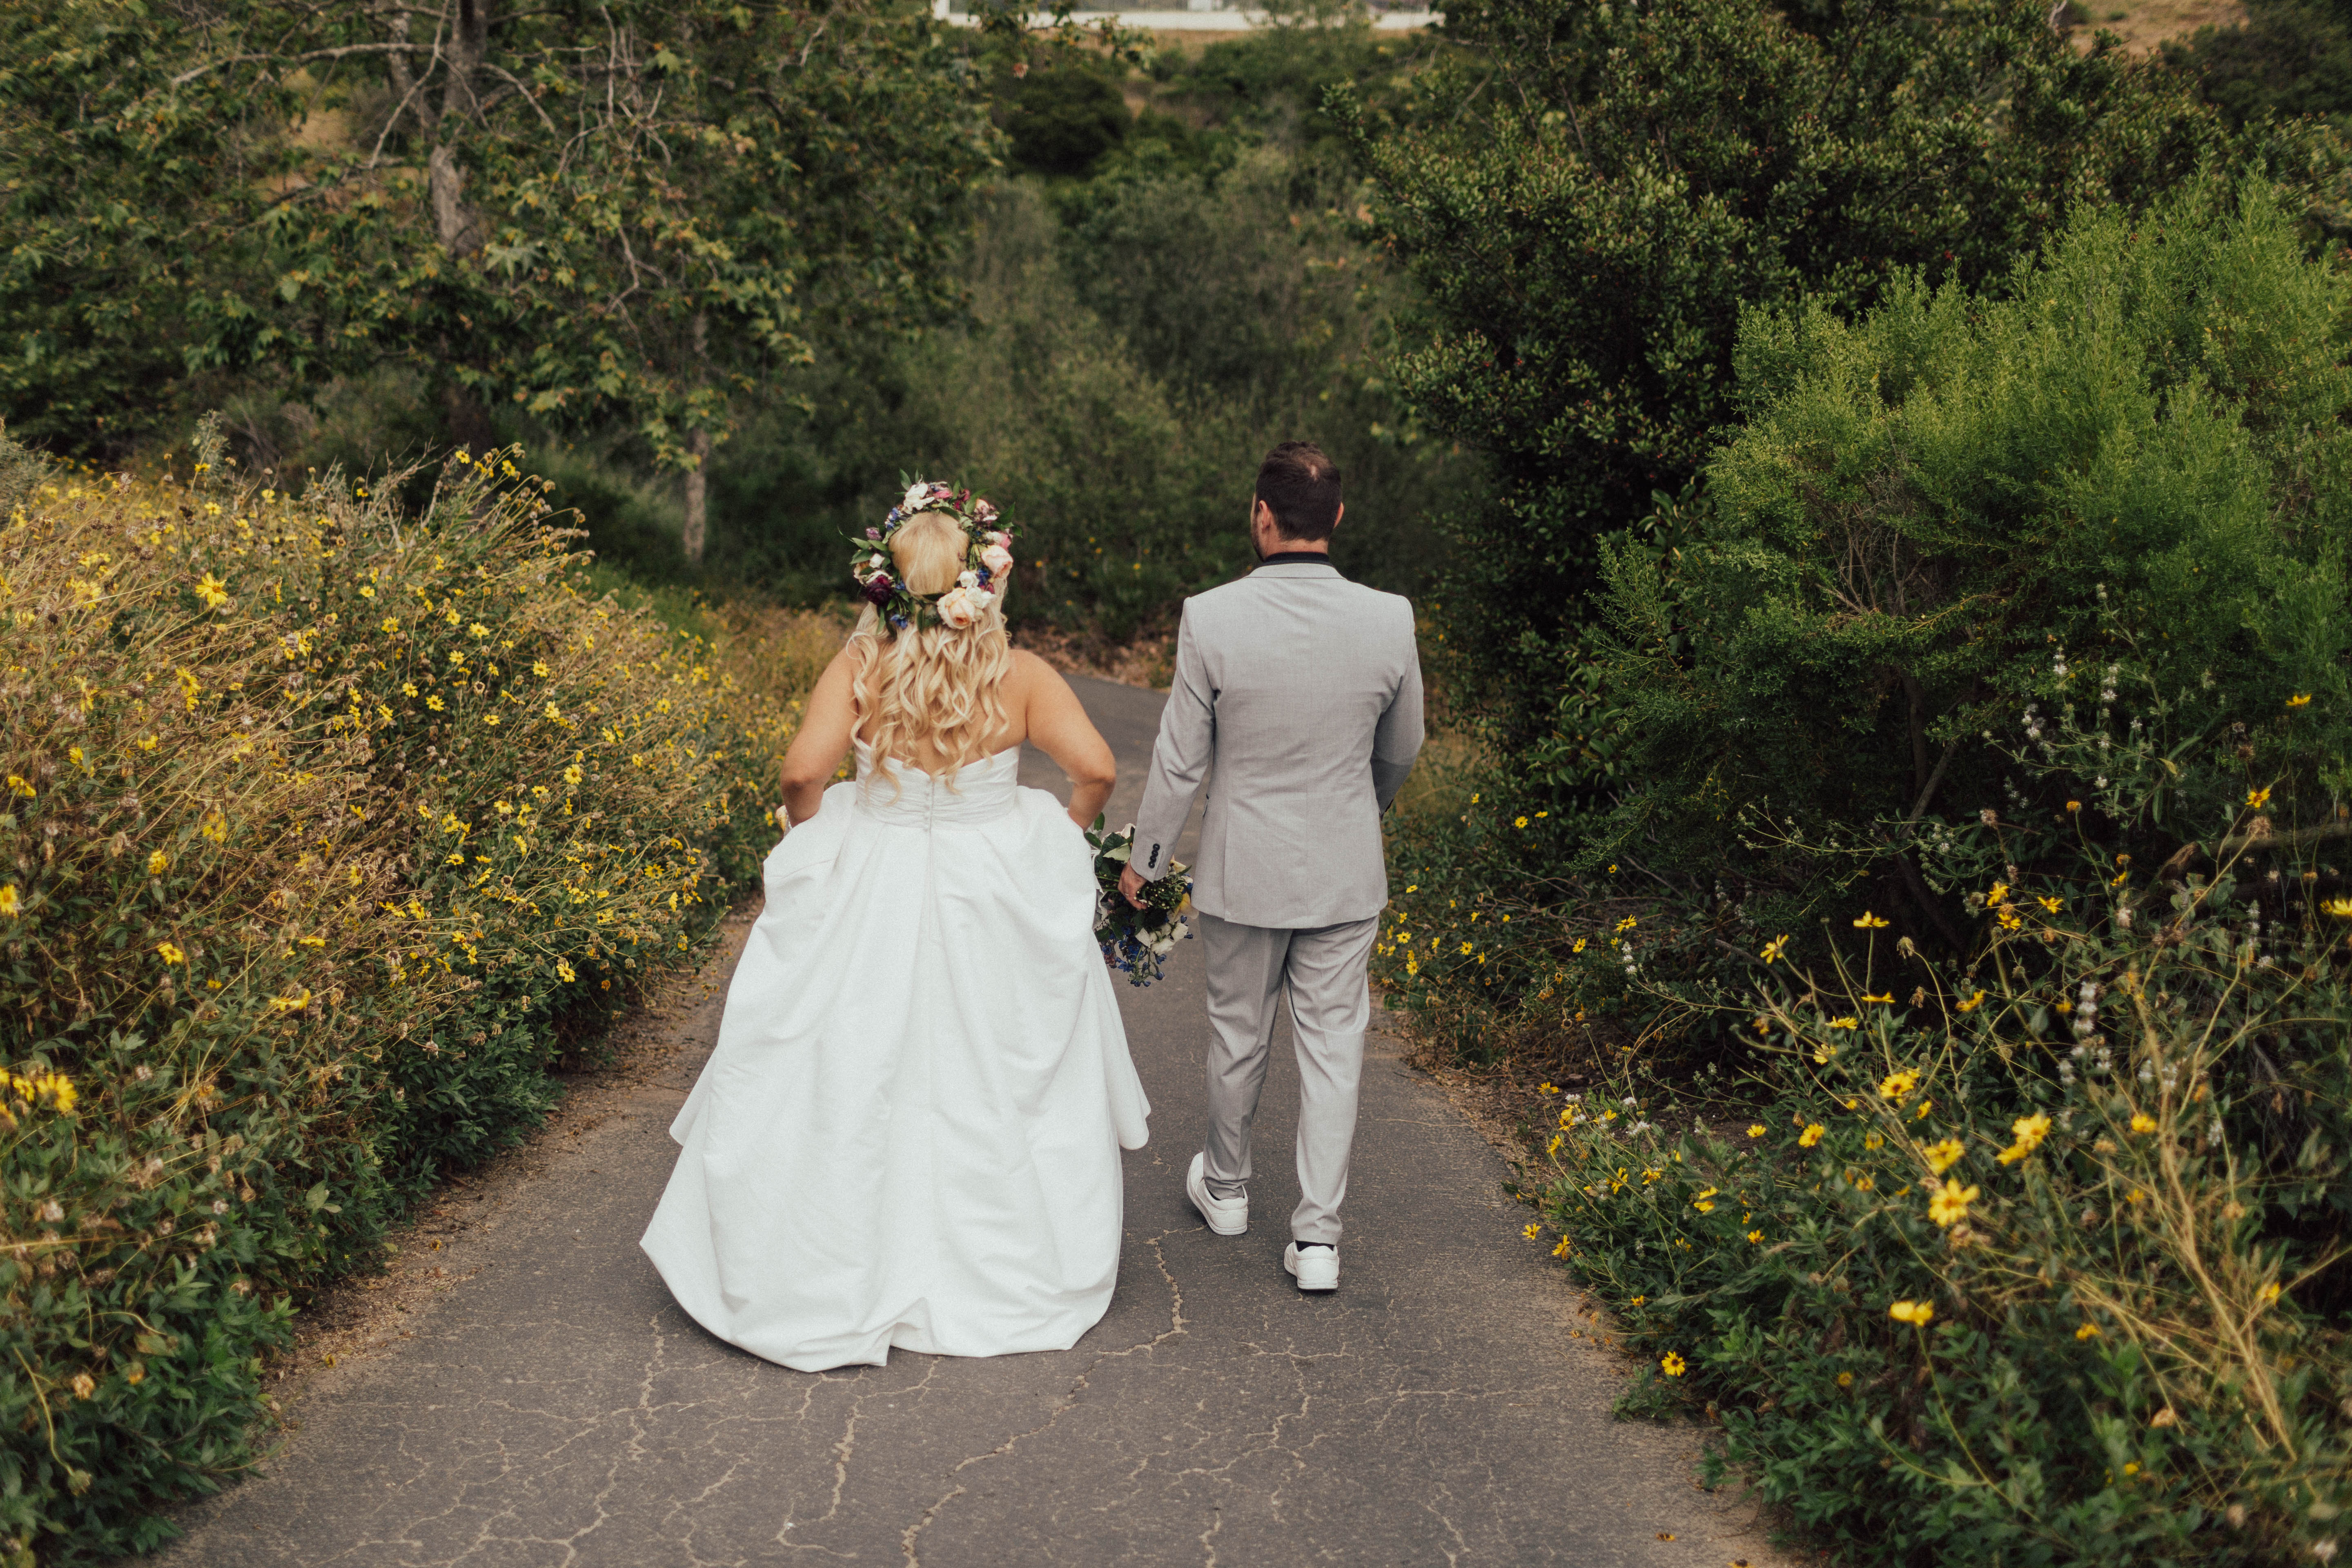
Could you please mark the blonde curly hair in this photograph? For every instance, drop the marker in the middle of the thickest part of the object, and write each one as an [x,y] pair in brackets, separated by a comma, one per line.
[935,688]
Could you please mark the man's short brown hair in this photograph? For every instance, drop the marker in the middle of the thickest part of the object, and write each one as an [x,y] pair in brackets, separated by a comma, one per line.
[1301,487]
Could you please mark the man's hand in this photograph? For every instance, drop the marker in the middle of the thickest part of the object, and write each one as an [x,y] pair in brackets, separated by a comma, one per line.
[1130,887]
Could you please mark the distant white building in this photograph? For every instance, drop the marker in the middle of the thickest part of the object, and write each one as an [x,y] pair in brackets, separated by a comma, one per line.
[1198,16]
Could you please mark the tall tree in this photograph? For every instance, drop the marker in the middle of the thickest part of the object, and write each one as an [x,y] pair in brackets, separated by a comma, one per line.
[1592,223]
[613,212]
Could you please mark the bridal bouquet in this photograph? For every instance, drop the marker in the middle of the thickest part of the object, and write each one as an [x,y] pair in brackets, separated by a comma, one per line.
[1137,941]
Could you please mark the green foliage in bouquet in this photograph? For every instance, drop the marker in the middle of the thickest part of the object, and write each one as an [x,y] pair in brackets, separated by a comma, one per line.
[326,827]
[2042,1254]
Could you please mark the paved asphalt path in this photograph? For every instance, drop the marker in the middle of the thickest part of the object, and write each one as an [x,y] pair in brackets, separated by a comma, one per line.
[552,1406]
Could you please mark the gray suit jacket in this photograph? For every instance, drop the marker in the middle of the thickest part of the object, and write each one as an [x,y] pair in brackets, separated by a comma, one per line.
[1300,692]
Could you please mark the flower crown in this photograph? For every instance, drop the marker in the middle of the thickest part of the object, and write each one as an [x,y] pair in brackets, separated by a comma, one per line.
[987,562]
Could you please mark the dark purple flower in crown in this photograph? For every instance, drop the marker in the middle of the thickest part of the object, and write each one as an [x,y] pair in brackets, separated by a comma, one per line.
[878,588]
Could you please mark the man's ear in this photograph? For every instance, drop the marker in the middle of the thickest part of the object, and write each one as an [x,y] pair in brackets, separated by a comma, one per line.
[1341,516]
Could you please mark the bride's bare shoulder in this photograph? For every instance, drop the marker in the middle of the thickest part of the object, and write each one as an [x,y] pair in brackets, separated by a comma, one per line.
[1032,673]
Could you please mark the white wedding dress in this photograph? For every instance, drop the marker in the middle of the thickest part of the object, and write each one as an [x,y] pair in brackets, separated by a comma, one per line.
[909,1133]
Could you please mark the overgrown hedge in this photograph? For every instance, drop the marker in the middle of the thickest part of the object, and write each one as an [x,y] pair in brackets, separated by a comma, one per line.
[326,827]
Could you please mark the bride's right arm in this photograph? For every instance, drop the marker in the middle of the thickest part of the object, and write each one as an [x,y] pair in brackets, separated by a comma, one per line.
[817,751]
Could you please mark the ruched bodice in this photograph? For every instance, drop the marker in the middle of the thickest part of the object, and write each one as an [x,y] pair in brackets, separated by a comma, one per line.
[981,792]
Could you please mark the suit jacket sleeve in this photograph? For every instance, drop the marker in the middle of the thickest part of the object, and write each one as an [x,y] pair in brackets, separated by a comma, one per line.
[1180,759]
[1396,740]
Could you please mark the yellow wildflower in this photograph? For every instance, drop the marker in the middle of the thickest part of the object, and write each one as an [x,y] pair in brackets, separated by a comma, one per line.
[2258,798]
[1775,948]
[1870,922]
[1848,1022]
[1943,1156]
[1811,1135]
[1672,1365]
[2088,1330]
[1950,1204]
[1756,1131]
[2029,1132]
[1898,1086]
[8,903]
[1972,1003]
[563,969]
[158,863]
[212,591]
[1532,1231]
[1915,1312]
[170,952]
[2142,1122]
[2300,699]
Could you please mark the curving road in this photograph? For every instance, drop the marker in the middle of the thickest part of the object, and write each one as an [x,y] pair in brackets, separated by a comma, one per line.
[548,1404]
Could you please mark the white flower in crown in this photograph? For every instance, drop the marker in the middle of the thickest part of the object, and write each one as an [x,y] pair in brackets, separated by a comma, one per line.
[958,607]
[981,511]
[968,580]
[916,495]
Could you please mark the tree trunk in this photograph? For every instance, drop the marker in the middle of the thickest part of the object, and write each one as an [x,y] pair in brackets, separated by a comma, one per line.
[696,494]
[395,66]
[698,445]
[469,40]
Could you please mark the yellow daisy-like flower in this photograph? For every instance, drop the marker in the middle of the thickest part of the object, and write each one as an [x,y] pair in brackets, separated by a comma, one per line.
[434,703]
[2029,1131]
[1532,1231]
[564,971]
[1755,1235]
[571,775]
[1522,822]
[1466,947]
[1561,1250]
[390,625]
[1672,1365]
[2050,906]
[1629,923]
[1870,922]
[8,903]
[2142,1122]
[1848,1022]
[1845,1380]
[2300,699]
[16,786]
[539,668]
[1811,1135]
[1882,997]
[1971,1005]
[1579,946]
[2258,798]
[2340,908]
[1898,1086]
[1775,948]
[1950,1204]
[1943,1156]
[158,863]
[212,591]
[1915,1312]
[2087,1331]
[1756,1131]
[1701,1203]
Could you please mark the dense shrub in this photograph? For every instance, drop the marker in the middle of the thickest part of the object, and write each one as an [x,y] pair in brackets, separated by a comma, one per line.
[2040,1256]
[2286,56]
[1935,516]
[2141,445]
[326,827]
[1590,230]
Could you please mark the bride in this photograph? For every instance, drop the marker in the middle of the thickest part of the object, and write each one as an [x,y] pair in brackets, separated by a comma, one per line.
[909,1133]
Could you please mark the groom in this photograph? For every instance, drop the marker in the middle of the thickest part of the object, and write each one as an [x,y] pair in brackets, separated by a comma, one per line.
[1299,692]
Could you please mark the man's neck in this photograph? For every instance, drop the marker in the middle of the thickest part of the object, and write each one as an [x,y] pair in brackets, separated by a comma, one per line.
[1291,553]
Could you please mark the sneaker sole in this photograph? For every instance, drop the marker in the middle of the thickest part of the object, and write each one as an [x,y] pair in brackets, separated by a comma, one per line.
[1214,1228]
[1304,1288]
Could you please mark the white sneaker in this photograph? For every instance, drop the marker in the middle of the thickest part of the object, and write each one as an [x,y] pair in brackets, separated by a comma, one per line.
[1316,1269]
[1227,1217]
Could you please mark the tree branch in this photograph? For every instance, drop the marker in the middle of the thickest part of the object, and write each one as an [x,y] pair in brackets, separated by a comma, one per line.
[185,77]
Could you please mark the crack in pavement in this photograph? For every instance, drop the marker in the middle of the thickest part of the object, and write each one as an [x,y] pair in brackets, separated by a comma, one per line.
[555,1409]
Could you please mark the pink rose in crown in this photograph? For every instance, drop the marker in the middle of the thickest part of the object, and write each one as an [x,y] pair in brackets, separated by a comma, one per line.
[958,607]
[997,559]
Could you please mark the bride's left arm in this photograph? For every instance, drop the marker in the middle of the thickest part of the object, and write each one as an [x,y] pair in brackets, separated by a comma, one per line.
[817,751]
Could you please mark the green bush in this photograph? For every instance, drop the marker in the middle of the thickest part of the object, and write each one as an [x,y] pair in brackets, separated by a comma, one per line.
[1590,230]
[1063,122]
[2042,1255]
[2141,445]
[2286,58]
[327,828]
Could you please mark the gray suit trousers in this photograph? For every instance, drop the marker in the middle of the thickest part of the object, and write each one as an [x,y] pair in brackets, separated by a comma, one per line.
[1322,970]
